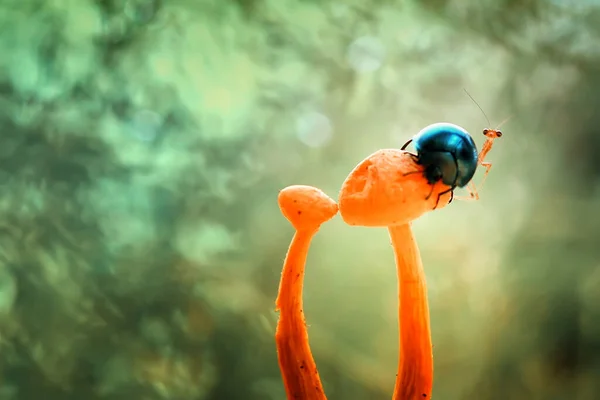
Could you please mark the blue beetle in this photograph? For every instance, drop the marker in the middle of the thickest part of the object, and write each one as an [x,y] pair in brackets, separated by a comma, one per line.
[448,154]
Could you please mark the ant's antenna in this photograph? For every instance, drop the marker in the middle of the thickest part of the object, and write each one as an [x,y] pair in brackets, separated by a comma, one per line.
[503,122]
[477,104]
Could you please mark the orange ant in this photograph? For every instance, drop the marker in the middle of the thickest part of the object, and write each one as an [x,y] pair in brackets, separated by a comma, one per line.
[491,135]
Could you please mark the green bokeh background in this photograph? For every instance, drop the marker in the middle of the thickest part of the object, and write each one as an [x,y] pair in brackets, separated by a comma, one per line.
[143,144]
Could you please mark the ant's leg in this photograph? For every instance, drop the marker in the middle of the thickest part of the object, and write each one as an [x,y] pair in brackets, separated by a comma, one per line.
[487,166]
[473,191]
[473,194]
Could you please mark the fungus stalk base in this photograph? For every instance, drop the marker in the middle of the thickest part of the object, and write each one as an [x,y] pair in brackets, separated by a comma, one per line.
[415,364]
[296,362]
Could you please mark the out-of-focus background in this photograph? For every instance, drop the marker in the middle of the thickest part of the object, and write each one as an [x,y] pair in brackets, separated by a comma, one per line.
[143,144]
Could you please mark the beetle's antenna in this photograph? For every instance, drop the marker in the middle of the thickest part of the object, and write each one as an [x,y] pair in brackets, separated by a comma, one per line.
[477,104]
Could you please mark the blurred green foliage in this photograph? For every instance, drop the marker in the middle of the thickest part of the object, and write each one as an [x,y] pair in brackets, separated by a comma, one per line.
[142,146]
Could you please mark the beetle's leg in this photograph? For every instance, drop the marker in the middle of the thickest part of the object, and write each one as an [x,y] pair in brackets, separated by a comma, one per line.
[451,190]
[431,192]
[411,172]
[414,156]
[416,160]
[406,144]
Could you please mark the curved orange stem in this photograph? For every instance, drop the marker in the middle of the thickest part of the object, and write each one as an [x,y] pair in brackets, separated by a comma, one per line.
[306,208]
[415,363]
[383,190]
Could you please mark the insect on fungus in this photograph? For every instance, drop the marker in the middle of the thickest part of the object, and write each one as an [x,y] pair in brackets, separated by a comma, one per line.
[390,188]
[449,154]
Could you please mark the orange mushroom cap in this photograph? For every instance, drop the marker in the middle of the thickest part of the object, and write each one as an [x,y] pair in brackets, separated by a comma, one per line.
[377,192]
[306,207]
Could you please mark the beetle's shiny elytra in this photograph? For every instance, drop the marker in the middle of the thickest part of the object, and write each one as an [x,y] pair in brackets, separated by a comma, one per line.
[448,154]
